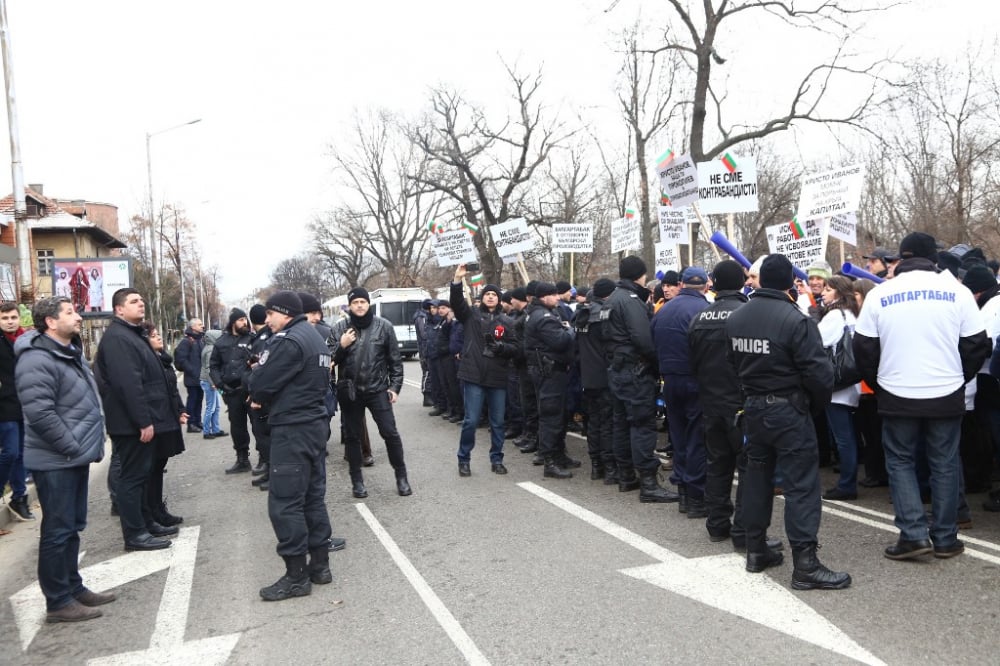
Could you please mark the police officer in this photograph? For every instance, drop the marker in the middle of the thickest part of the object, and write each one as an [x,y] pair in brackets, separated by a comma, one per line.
[589,321]
[633,380]
[229,366]
[290,381]
[529,401]
[258,417]
[548,349]
[778,355]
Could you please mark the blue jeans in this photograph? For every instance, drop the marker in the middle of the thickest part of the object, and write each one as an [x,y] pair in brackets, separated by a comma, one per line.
[495,398]
[210,420]
[12,458]
[902,437]
[63,496]
[841,422]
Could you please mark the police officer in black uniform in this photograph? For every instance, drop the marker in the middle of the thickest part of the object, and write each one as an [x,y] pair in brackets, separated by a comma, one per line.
[588,322]
[634,381]
[548,350]
[529,401]
[290,380]
[258,417]
[778,355]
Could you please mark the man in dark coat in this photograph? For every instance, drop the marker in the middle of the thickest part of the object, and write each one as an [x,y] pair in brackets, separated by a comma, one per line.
[229,368]
[187,359]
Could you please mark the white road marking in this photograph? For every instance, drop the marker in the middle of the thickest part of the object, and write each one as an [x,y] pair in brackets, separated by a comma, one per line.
[720,581]
[434,604]
[410,382]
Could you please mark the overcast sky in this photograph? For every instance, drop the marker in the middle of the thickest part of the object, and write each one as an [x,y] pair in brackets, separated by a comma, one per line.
[275,83]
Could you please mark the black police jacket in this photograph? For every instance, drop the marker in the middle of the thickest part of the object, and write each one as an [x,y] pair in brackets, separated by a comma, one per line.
[776,349]
[131,382]
[545,336]
[628,332]
[229,365]
[589,321]
[292,376]
[372,362]
[519,317]
[718,385]
[484,362]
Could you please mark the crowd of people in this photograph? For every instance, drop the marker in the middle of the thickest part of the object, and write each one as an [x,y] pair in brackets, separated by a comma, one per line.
[755,374]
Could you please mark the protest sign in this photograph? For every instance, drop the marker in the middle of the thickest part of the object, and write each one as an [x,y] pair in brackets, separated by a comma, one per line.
[573,237]
[454,247]
[844,227]
[831,192]
[626,234]
[667,257]
[678,179]
[674,224]
[801,242]
[727,185]
[512,237]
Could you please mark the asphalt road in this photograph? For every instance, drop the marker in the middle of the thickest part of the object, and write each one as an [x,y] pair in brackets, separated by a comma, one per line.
[511,569]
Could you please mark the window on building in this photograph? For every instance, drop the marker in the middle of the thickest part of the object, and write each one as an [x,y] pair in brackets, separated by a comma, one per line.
[45,261]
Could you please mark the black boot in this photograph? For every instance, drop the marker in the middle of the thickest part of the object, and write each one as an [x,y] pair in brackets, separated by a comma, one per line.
[810,574]
[319,566]
[596,470]
[757,562]
[554,471]
[164,517]
[682,505]
[627,480]
[403,486]
[696,507]
[261,480]
[295,582]
[261,467]
[530,446]
[242,464]
[610,475]
[358,488]
[650,490]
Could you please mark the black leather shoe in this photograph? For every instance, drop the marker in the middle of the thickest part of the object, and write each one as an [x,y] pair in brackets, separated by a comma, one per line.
[264,486]
[838,494]
[872,482]
[457,418]
[209,435]
[567,462]
[511,435]
[596,471]
[757,562]
[538,460]
[336,543]
[221,433]
[358,489]
[740,544]
[531,446]
[463,468]
[697,508]
[261,468]
[368,461]
[260,481]
[146,542]
[944,552]
[403,487]
[159,530]
[435,412]
[194,428]
[554,471]
[906,550]
[992,504]
[498,468]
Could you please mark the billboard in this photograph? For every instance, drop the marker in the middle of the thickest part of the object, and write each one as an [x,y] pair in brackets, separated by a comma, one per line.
[91,282]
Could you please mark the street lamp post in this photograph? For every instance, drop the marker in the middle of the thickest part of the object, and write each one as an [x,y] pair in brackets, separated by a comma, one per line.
[152,221]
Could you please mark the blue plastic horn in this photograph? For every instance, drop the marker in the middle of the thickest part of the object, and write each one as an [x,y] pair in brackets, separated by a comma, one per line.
[723,243]
[851,269]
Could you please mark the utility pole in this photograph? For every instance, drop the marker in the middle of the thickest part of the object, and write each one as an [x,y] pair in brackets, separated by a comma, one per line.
[17,176]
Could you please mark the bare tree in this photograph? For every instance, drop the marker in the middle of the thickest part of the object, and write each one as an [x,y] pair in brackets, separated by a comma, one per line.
[483,170]
[344,249]
[302,273]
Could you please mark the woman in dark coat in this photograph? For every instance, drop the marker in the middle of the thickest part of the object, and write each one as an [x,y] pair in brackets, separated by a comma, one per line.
[168,443]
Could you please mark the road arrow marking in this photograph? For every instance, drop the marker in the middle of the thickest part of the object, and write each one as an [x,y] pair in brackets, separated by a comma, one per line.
[719,581]
[167,644]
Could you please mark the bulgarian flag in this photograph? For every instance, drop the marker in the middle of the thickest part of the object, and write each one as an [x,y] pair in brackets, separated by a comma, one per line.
[664,199]
[470,226]
[796,228]
[629,213]
[434,227]
[664,160]
[729,163]
[476,279]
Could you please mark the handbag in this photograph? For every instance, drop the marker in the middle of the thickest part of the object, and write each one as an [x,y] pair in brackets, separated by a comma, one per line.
[845,370]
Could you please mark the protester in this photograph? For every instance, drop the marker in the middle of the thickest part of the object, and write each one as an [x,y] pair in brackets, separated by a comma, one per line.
[168,441]
[187,356]
[210,419]
[11,421]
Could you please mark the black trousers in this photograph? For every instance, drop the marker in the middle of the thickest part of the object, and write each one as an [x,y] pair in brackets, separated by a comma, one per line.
[870,424]
[724,455]
[449,375]
[130,493]
[296,501]
[193,406]
[261,433]
[239,417]
[600,426]
[529,404]
[154,487]
[780,433]
[634,420]
[439,389]
[514,415]
[353,416]
[551,394]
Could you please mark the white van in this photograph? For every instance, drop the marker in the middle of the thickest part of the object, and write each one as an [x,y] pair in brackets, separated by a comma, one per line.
[398,305]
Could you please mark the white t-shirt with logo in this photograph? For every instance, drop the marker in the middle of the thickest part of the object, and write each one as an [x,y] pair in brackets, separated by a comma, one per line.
[919,317]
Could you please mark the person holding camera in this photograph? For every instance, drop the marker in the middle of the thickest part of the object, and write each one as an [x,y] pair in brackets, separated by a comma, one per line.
[486,352]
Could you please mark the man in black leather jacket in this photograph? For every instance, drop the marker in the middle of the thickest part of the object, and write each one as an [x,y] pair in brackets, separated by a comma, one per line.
[369,375]
[778,354]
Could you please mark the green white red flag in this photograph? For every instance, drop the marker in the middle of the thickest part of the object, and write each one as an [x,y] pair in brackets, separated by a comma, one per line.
[664,160]
[476,279]
[472,229]
[796,228]
[729,163]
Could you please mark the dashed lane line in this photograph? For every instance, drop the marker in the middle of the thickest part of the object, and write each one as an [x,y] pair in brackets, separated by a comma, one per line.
[434,604]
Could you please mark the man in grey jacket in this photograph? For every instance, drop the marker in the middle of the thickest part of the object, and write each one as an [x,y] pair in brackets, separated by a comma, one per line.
[64,433]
